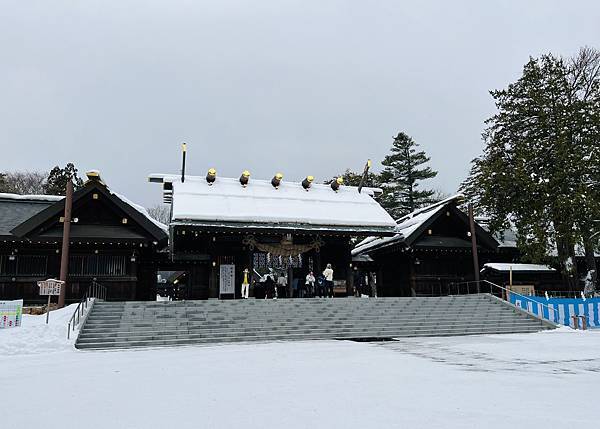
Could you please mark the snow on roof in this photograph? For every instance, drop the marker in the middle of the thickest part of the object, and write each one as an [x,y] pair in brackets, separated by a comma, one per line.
[506,267]
[18,197]
[406,226]
[228,201]
[140,209]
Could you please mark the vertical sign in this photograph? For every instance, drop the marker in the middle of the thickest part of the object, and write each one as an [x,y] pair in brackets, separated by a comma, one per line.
[11,313]
[227,279]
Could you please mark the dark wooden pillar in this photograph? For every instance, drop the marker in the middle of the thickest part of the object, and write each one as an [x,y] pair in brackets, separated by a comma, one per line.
[64,261]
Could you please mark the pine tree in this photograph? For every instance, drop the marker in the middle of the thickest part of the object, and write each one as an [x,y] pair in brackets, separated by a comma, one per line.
[403,170]
[57,180]
[538,162]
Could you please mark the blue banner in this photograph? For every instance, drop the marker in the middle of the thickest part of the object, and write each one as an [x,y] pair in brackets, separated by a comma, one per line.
[560,310]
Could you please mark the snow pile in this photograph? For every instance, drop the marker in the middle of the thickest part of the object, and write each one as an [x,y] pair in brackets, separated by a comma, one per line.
[35,337]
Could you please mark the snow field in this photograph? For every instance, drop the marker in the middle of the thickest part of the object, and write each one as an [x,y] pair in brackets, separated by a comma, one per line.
[524,380]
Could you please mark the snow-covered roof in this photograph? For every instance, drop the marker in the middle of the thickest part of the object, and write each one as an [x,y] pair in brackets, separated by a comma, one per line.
[15,209]
[506,267]
[227,202]
[17,197]
[140,209]
[405,226]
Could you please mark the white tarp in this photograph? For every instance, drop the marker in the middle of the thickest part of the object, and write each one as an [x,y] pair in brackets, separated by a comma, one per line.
[11,313]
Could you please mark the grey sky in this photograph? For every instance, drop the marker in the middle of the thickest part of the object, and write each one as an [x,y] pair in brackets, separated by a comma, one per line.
[304,87]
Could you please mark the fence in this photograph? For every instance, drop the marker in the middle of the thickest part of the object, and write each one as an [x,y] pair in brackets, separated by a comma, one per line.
[561,310]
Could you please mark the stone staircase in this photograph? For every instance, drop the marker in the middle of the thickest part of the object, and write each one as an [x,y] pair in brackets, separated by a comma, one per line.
[154,324]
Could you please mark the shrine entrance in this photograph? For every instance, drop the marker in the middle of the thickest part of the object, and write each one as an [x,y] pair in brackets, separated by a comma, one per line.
[280,268]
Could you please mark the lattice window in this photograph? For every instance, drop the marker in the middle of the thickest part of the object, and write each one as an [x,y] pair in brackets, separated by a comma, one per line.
[98,265]
[23,265]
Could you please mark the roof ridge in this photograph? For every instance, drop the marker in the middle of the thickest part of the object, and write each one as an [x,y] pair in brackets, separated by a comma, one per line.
[30,197]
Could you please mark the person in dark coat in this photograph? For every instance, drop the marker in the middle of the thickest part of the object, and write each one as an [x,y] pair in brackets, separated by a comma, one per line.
[270,289]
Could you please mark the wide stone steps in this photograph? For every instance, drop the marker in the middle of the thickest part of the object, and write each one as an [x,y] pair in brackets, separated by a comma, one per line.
[291,328]
[161,324]
[187,340]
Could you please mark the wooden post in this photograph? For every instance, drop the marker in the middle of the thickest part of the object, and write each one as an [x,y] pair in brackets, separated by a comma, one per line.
[364,176]
[64,257]
[474,247]
[183,152]
[48,309]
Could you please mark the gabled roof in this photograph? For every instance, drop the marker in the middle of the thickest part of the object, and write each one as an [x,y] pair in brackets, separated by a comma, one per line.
[40,222]
[410,228]
[227,204]
[15,209]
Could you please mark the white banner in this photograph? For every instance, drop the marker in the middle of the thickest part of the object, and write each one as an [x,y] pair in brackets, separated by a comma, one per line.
[227,279]
[11,313]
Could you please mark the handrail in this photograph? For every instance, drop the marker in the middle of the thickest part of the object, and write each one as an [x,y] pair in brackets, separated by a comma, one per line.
[94,291]
[554,311]
[508,291]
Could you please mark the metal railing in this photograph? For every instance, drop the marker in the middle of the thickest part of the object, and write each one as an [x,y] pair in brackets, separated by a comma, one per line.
[94,291]
[483,286]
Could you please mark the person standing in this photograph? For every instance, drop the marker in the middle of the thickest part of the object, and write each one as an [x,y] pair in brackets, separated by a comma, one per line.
[373,283]
[245,284]
[282,284]
[270,287]
[328,274]
[309,284]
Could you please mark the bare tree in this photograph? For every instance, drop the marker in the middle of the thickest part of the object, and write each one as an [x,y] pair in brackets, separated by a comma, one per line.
[161,212]
[439,195]
[25,182]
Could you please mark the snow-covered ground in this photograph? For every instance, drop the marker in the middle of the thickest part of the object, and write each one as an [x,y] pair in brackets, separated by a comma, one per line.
[543,380]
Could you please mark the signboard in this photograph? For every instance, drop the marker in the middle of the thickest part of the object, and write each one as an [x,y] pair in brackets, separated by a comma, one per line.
[525,290]
[11,313]
[50,287]
[227,279]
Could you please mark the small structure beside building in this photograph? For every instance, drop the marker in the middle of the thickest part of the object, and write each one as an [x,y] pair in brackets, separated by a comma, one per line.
[429,254]
[526,279]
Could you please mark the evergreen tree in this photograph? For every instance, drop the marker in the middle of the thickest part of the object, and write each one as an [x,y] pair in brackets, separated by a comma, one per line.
[403,169]
[56,183]
[538,161]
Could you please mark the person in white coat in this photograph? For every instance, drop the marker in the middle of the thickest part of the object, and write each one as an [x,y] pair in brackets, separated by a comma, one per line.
[328,274]
[309,284]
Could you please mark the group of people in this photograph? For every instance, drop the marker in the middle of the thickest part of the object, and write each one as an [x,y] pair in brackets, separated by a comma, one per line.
[320,286]
[274,286]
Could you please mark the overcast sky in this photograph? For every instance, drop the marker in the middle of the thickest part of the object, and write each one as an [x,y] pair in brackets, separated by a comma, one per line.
[302,87]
